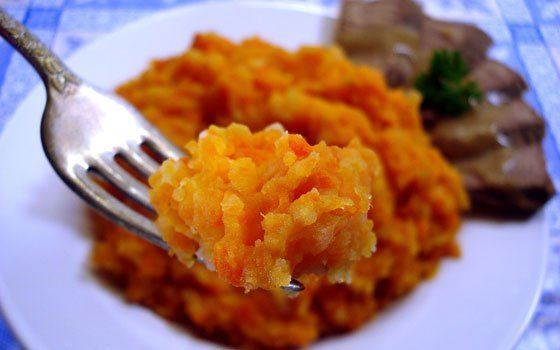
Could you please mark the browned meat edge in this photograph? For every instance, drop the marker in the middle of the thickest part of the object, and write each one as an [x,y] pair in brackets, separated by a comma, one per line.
[488,127]
[507,181]
[495,77]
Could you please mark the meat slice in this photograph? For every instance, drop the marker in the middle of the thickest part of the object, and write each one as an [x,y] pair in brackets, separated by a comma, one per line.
[508,181]
[470,41]
[495,77]
[382,34]
[398,69]
[487,127]
[359,13]
[396,37]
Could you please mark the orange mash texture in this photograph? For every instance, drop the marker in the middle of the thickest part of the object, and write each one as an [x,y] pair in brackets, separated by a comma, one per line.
[318,93]
[263,207]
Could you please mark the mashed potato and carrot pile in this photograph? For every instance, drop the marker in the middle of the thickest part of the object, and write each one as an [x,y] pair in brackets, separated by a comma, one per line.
[417,196]
[260,208]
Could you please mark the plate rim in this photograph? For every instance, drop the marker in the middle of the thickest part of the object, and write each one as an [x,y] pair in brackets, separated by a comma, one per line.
[16,323]
[543,269]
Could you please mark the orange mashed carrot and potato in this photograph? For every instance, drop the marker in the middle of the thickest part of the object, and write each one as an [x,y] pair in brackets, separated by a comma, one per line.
[260,208]
[417,197]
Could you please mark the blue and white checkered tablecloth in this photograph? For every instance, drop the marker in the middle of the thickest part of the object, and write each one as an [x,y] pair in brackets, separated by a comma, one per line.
[527,37]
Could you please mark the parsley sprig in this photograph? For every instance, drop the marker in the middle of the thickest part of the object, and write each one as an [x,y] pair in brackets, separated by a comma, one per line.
[444,87]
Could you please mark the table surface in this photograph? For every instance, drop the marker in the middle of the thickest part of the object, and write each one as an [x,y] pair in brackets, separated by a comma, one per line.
[526,35]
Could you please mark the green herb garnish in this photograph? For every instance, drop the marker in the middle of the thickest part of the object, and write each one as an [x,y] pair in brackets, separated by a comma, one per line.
[444,87]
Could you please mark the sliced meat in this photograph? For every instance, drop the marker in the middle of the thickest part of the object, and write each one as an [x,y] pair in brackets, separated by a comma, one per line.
[508,181]
[396,37]
[377,26]
[382,34]
[470,41]
[496,146]
[398,69]
[495,77]
[364,14]
[487,127]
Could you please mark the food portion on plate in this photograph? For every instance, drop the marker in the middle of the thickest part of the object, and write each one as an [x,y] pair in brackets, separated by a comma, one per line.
[263,208]
[472,105]
[417,197]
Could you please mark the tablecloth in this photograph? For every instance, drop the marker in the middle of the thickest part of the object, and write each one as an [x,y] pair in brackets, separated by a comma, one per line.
[527,37]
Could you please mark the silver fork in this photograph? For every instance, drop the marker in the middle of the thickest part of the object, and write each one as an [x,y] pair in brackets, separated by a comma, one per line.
[83,129]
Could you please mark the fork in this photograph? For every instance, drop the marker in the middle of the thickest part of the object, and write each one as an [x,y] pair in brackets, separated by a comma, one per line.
[84,130]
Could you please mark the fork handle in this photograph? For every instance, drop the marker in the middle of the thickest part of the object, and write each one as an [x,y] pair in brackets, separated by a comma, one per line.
[54,73]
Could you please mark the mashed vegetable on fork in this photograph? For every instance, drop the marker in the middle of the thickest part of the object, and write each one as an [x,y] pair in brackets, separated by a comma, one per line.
[260,208]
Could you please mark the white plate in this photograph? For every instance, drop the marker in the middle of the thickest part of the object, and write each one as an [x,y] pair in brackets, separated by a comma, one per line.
[481,301]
